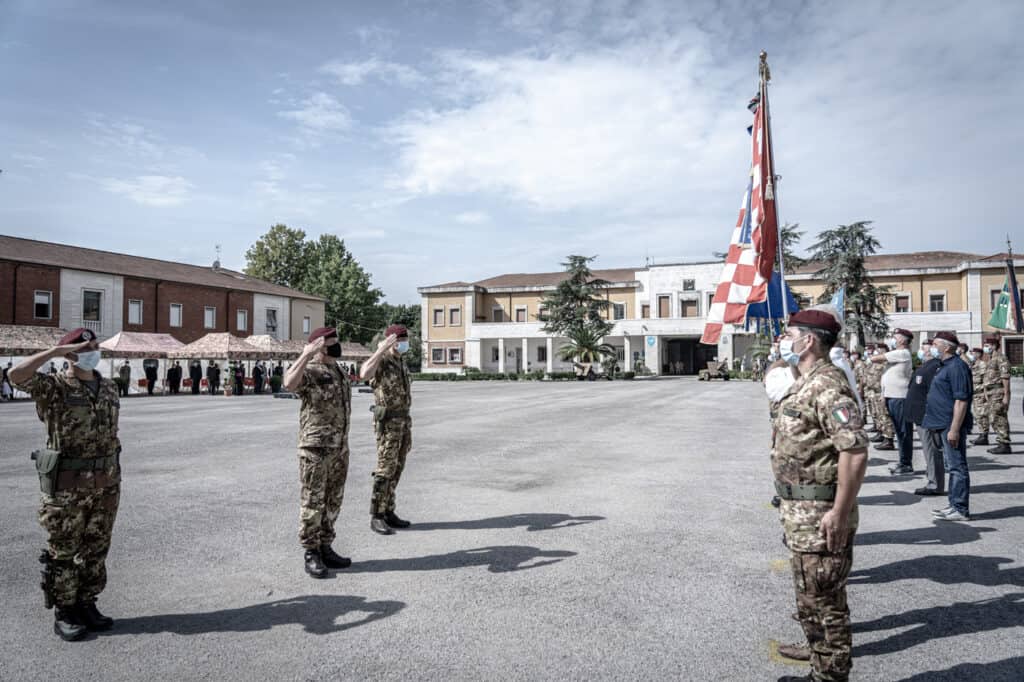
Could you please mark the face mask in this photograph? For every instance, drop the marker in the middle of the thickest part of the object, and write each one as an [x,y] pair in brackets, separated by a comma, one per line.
[936,353]
[334,350]
[920,354]
[891,343]
[777,382]
[959,351]
[987,348]
[88,360]
[788,354]
[970,357]
[403,346]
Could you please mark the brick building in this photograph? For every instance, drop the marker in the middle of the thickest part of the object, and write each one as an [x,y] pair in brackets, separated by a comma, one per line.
[47,284]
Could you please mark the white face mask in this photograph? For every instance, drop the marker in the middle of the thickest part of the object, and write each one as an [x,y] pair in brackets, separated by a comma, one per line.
[787,353]
[777,382]
[403,346]
[891,343]
[936,353]
[88,360]
[971,357]
[987,348]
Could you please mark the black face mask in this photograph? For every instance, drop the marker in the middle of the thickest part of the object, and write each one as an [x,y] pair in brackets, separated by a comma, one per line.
[334,350]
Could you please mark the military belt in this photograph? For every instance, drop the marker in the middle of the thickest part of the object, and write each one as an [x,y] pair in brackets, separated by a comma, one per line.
[995,385]
[86,463]
[797,491]
[395,414]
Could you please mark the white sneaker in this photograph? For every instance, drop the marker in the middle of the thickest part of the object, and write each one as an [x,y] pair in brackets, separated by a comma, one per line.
[942,512]
[954,516]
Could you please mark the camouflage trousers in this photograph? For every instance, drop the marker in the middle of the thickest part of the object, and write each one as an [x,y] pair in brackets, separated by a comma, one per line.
[322,475]
[880,415]
[394,440]
[820,581]
[979,408]
[79,522]
[996,413]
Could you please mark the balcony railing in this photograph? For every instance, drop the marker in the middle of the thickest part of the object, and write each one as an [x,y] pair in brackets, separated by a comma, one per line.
[95,326]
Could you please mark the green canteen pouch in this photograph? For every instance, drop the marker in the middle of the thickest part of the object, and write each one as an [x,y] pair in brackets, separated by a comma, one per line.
[46,466]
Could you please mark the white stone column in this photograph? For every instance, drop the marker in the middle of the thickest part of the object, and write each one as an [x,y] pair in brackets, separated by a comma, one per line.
[526,355]
[652,354]
[551,355]
[627,349]
[501,356]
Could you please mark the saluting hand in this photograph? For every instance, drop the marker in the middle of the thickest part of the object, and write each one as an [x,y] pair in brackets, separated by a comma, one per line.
[835,528]
[70,348]
[314,347]
[388,343]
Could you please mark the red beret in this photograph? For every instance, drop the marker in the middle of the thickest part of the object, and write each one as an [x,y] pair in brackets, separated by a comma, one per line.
[398,330]
[79,335]
[977,350]
[322,332]
[816,319]
[992,337]
[949,337]
[904,332]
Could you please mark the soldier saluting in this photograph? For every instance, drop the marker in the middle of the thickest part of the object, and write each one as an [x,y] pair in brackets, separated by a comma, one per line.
[323,446]
[392,389]
[79,474]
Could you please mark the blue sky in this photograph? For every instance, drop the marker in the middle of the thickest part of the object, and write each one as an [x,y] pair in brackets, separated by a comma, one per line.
[460,140]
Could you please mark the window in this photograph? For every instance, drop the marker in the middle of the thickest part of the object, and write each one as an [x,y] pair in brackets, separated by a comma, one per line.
[454,356]
[620,353]
[902,303]
[1015,351]
[438,317]
[645,311]
[175,315]
[494,354]
[618,311]
[542,353]
[455,316]
[271,323]
[209,317]
[91,306]
[242,320]
[520,313]
[688,308]
[937,303]
[689,285]
[497,314]
[43,305]
[437,356]
[307,325]
[134,311]
[542,314]
[663,309]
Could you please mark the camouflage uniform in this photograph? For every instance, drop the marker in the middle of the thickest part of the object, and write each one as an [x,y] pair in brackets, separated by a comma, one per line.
[392,390]
[873,397]
[79,514]
[996,370]
[326,395]
[980,405]
[816,419]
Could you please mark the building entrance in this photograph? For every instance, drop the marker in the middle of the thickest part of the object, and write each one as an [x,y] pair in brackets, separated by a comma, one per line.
[686,356]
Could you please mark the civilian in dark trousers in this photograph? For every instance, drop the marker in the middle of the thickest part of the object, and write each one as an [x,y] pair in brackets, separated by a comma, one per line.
[913,410]
[948,416]
[213,377]
[239,375]
[195,373]
[150,371]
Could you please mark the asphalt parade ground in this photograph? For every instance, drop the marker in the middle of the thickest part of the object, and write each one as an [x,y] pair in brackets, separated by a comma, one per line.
[562,531]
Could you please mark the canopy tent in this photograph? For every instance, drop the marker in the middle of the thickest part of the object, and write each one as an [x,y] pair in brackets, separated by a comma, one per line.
[292,348]
[770,311]
[16,339]
[218,345]
[271,348]
[356,352]
[139,345]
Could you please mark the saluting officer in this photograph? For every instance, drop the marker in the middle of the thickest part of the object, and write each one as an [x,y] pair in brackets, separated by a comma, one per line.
[323,446]
[387,374]
[819,459]
[79,474]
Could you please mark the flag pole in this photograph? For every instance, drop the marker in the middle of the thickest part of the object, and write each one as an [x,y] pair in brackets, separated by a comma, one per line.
[766,75]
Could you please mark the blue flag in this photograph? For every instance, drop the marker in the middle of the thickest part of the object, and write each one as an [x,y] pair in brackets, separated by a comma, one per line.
[839,302]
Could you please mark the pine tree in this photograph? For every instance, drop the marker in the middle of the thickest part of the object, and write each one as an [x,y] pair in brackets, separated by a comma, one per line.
[575,310]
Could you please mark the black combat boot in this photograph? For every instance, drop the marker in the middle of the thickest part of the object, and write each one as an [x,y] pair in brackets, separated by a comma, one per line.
[797,678]
[332,559]
[980,440]
[68,625]
[394,521]
[379,498]
[315,564]
[91,617]
[379,525]
[886,444]
[1000,449]
[877,437]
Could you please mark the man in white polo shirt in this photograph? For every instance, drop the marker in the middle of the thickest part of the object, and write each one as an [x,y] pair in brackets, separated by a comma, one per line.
[895,382]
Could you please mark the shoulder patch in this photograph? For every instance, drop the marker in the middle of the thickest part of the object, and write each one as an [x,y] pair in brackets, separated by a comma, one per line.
[841,415]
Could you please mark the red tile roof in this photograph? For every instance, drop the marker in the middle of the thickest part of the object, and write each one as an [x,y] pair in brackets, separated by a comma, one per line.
[899,261]
[541,279]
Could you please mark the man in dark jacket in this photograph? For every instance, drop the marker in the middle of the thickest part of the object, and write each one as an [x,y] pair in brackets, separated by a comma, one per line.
[195,373]
[149,367]
[917,398]
[257,377]
[213,377]
[239,376]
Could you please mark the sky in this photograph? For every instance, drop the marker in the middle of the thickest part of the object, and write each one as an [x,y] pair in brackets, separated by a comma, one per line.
[448,140]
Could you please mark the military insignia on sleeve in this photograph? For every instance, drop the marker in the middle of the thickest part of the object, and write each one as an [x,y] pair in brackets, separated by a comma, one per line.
[842,415]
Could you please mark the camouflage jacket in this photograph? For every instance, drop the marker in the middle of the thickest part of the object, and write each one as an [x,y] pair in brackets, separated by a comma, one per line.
[978,375]
[78,424]
[326,395]
[817,418]
[873,377]
[996,369]
[392,386]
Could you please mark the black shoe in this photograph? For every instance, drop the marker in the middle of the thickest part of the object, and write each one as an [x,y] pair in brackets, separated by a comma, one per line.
[877,438]
[886,444]
[394,521]
[315,564]
[332,559]
[68,625]
[91,617]
[928,491]
[379,525]
[1000,449]
[900,469]
[980,440]
[776,501]
[796,678]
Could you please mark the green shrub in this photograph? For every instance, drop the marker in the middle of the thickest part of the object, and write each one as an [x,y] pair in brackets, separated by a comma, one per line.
[628,376]
[1017,371]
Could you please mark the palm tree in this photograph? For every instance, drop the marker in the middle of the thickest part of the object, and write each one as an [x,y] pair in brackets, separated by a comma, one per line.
[585,346]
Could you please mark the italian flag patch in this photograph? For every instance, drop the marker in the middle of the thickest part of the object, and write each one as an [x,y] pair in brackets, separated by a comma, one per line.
[842,415]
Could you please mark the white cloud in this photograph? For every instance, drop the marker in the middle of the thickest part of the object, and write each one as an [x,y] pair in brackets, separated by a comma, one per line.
[472,218]
[137,143]
[320,113]
[31,161]
[355,73]
[150,190]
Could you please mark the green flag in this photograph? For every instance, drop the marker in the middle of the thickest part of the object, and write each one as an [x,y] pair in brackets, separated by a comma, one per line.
[1004,312]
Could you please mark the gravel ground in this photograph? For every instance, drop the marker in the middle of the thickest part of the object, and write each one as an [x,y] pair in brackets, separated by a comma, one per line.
[562,531]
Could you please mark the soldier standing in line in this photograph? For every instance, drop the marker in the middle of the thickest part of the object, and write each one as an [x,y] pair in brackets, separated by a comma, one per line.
[879,412]
[997,394]
[392,389]
[819,458]
[213,377]
[323,446]
[980,406]
[125,374]
[79,475]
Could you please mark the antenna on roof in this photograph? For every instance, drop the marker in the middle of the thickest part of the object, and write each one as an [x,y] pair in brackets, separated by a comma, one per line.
[216,263]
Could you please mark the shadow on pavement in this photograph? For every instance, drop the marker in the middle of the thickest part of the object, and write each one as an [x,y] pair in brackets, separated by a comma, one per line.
[944,569]
[1007,513]
[1008,670]
[944,534]
[889,478]
[895,498]
[1017,487]
[989,464]
[317,614]
[955,620]
[499,559]
[531,521]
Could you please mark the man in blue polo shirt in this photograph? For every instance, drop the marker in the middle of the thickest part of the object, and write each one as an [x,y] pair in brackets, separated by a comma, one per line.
[948,418]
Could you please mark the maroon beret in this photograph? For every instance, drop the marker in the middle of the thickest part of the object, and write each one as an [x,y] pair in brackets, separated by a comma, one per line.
[816,319]
[322,332]
[398,330]
[992,338]
[977,350]
[904,332]
[949,337]
[80,335]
